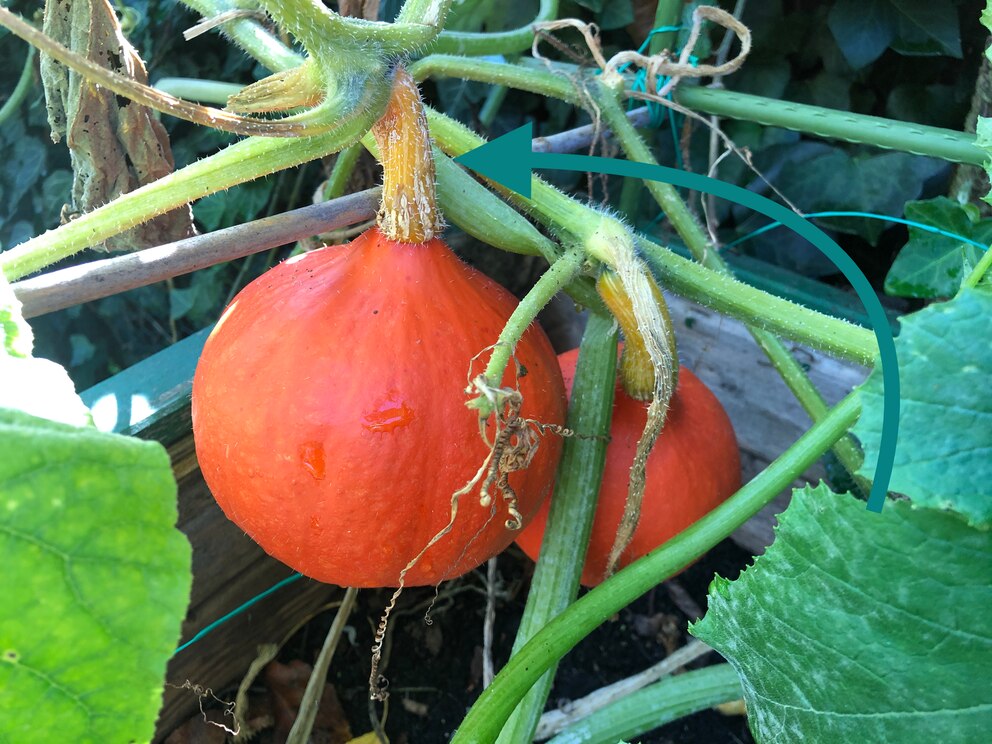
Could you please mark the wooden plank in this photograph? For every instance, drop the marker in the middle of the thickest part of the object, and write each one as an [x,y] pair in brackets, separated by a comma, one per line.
[152,400]
[228,570]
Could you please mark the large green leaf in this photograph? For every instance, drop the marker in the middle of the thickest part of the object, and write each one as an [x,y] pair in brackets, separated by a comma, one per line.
[932,265]
[944,452]
[857,626]
[834,180]
[863,29]
[927,28]
[96,577]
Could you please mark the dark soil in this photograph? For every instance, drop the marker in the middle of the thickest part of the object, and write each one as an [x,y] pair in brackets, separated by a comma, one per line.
[435,671]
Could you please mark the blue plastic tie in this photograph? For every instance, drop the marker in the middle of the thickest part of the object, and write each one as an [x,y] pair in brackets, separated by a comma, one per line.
[868,215]
[237,611]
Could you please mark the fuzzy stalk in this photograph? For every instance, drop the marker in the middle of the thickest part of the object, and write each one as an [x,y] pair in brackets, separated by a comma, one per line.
[698,243]
[566,538]
[409,212]
[551,282]
[497,42]
[250,35]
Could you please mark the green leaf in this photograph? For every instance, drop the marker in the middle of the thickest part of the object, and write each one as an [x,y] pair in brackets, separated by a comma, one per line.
[22,166]
[96,577]
[931,265]
[835,181]
[200,301]
[97,582]
[35,386]
[234,206]
[944,453]
[857,626]
[766,77]
[936,105]
[863,29]
[927,28]
[616,14]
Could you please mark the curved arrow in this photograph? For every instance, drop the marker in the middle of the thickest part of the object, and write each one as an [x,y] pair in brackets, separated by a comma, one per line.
[509,160]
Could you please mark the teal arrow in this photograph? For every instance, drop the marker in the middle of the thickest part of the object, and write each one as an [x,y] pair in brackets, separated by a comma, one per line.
[509,160]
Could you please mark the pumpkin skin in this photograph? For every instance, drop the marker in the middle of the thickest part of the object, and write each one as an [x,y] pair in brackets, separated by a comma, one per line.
[329,412]
[693,468]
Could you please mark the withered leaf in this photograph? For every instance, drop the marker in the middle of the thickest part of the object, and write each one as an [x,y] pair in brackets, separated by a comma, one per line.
[115,145]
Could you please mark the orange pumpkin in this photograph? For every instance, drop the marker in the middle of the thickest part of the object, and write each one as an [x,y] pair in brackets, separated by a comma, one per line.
[329,412]
[693,468]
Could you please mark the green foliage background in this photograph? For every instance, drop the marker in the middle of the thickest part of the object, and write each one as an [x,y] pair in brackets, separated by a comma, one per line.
[909,59]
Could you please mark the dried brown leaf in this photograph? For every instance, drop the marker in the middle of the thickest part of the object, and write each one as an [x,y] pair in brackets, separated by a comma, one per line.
[115,146]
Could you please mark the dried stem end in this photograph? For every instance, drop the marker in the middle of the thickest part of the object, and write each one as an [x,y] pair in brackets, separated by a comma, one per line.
[408,213]
[637,370]
[299,87]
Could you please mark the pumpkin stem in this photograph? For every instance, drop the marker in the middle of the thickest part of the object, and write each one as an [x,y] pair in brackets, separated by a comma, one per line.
[408,212]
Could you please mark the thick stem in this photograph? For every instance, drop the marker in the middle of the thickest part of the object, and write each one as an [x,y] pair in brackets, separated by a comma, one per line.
[250,35]
[667,15]
[566,536]
[919,139]
[21,90]
[984,264]
[497,73]
[499,42]
[490,712]
[767,312]
[554,721]
[242,161]
[321,31]
[551,282]
[425,12]
[654,706]
[409,212]
[311,23]
[194,89]
[830,123]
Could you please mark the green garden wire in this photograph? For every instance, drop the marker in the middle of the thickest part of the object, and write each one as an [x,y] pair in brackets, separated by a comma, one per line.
[868,215]
[238,610]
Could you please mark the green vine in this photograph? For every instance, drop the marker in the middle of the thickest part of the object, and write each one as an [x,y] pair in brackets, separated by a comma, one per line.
[487,717]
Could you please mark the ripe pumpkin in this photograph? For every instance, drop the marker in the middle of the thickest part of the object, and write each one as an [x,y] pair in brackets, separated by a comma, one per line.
[693,468]
[329,412]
